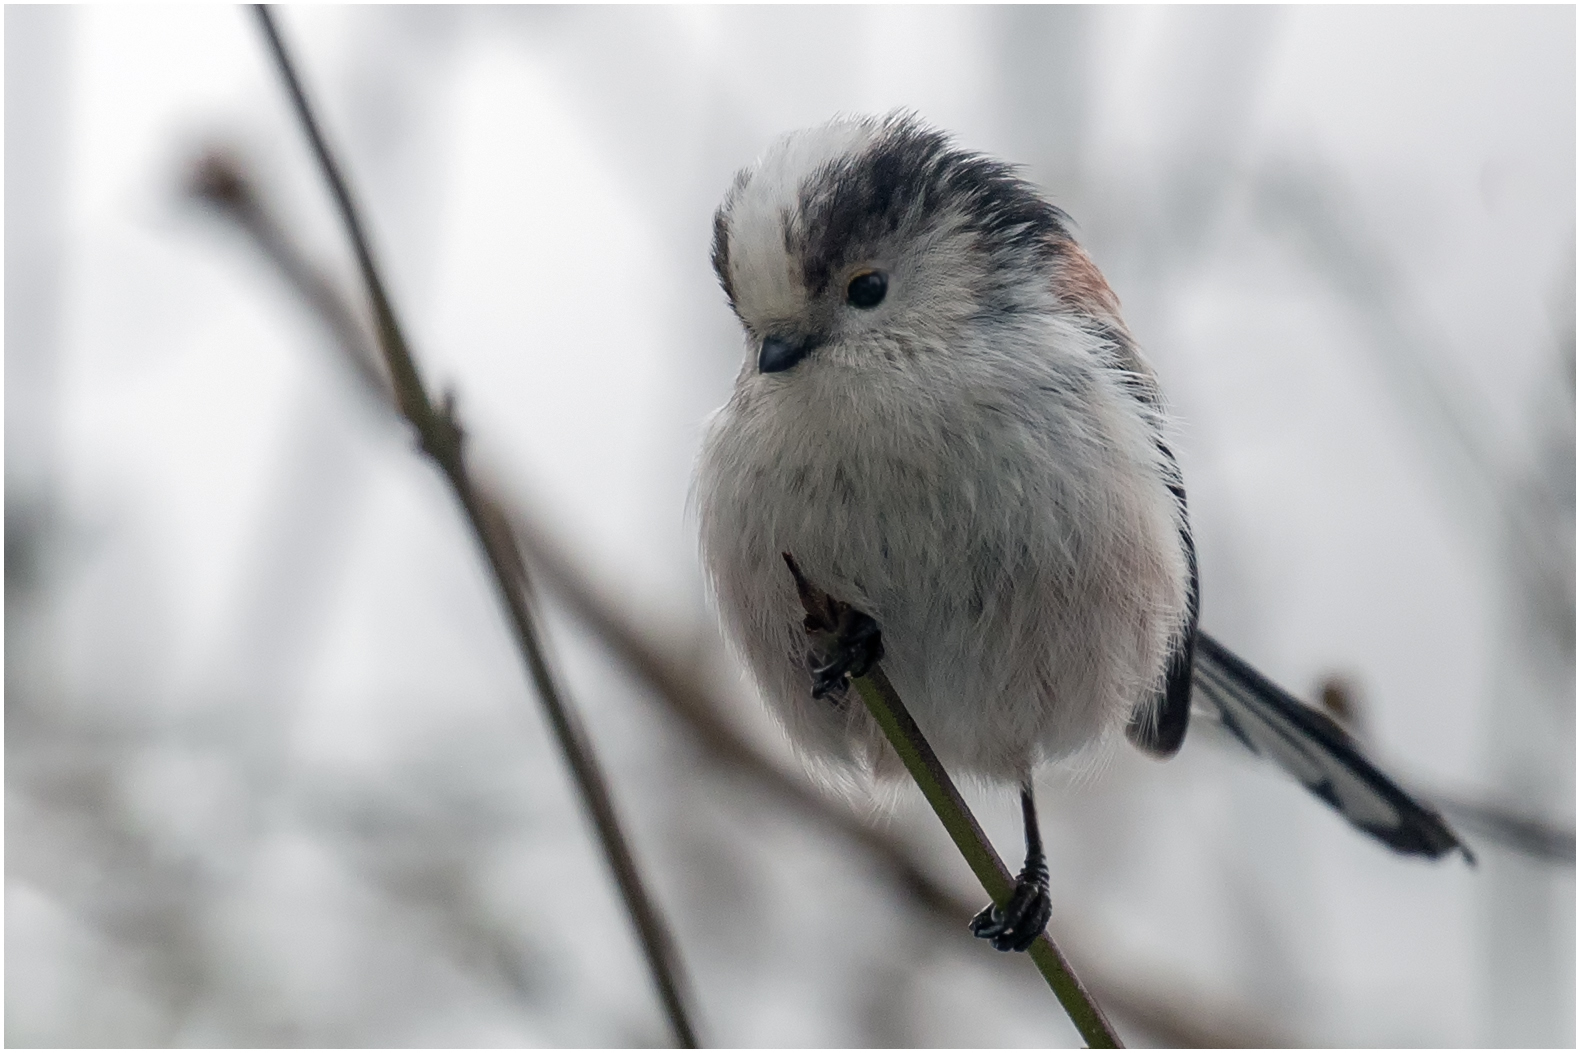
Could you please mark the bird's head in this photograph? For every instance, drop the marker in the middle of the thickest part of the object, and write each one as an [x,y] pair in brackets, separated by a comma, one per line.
[872,240]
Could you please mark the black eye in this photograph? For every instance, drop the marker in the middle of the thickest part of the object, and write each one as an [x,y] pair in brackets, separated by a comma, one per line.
[867,288]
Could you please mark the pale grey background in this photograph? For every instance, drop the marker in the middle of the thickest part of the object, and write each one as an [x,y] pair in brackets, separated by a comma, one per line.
[274,775]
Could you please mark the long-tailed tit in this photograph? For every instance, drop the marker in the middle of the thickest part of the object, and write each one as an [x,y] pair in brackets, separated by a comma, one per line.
[943,418]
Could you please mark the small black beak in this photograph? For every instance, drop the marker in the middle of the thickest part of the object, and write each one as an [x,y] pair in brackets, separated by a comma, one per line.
[780,353]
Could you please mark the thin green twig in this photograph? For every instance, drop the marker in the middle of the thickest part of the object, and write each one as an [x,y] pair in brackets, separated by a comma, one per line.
[441,438]
[884,703]
[886,707]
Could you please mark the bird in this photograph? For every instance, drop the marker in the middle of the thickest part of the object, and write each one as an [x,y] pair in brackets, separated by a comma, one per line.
[942,419]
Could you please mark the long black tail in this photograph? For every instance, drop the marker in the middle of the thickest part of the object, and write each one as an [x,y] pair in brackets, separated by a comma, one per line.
[1305,742]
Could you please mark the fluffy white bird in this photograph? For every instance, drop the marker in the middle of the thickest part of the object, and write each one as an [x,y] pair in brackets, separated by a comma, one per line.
[943,418]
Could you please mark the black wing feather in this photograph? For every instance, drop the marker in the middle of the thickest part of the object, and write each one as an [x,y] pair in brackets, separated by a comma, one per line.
[1159,726]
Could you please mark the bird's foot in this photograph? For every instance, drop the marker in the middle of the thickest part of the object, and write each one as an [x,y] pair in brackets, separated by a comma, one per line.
[1016,925]
[849,650]
[845,642]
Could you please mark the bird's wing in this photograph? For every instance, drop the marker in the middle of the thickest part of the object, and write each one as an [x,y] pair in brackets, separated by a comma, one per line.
[1306,743]
[1158,727]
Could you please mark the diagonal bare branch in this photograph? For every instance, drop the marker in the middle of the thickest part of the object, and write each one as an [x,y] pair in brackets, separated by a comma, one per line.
[441,438]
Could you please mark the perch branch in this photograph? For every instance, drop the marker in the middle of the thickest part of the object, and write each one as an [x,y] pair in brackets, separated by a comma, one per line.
[886,707]
[440,437]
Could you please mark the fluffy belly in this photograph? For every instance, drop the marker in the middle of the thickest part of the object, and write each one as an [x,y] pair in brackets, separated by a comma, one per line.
[1025,609]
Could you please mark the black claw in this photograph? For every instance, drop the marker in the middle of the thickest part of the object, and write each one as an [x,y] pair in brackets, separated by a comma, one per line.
[1016,925]
[848,651]
[988,923]
[845,642]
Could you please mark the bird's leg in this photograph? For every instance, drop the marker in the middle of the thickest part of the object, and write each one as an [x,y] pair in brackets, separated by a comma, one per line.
[1016,925]
[845,642]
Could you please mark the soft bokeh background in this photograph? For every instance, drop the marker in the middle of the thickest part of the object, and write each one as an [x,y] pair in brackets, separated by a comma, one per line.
[274,774]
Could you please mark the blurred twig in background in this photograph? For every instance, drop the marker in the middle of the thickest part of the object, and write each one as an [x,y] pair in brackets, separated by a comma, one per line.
[1510,828]
[441,439]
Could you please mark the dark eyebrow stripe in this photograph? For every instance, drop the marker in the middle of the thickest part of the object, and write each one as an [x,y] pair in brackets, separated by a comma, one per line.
[907,177]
